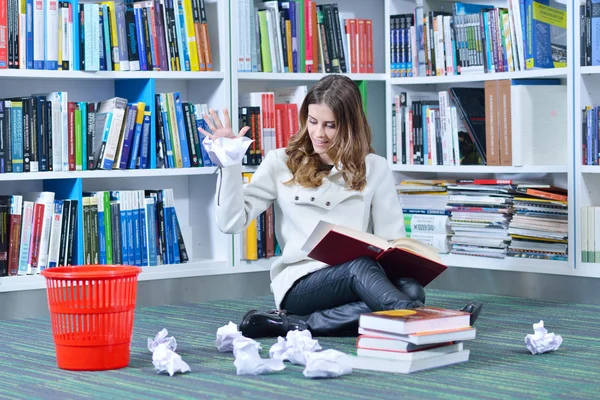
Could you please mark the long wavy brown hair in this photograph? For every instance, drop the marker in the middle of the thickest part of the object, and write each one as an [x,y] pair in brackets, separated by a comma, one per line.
[351,144]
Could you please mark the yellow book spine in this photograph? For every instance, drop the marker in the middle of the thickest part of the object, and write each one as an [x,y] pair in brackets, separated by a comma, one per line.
[174,132]
[250,251]
[288,39]
[114,40]
[191,35]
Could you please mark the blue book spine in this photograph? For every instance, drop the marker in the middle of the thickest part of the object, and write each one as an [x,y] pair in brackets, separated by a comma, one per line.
[84,138]
[137,243]
[139,29]
[183,142]
[294,39]
[595,20]
[106,43]
[135,147]
[151,231]
[129,133]
[145,146]
[16,129]
[174,241]
[181,36]
[130,230]
[27,226]
[590,130]
[29,34]
[206,161]
[168,236]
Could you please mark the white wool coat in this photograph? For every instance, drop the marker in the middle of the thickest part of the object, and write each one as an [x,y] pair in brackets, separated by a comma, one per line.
[375,209]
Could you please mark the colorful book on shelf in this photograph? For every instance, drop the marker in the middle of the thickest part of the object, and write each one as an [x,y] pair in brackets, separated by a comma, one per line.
[401,258]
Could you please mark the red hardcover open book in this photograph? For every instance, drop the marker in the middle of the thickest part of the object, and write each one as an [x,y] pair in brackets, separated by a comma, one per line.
[403,258]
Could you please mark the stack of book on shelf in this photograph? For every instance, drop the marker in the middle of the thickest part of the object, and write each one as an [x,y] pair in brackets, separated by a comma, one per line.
[302,36]
[474,126]
[425,215]
[148,35]
[258,240]
[132,227]
[480,216]
[405,341]
[49,133]
[272,117]
[462,38]
[540,227]
[37,231]
[178,141]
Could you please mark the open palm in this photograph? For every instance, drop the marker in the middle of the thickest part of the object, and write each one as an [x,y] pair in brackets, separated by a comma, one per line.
[218,128]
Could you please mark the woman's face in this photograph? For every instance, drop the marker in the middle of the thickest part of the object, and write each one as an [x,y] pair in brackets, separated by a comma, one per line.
[322,129]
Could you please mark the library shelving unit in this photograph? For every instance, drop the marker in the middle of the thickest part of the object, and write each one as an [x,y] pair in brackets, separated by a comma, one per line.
[212,252]
[209,249]
[586,178]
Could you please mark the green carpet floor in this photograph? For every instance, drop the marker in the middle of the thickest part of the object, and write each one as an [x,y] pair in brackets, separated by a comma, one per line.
[500,366]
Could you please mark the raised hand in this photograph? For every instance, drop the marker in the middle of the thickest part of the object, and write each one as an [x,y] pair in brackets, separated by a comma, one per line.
[219,129]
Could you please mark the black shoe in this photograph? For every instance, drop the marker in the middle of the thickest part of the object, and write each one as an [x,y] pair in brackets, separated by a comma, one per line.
[257,324]
[474,307]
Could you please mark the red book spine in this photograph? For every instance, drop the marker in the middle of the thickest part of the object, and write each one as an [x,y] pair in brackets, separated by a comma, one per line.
[280,125]
[71,116]
[36,234]
[14,243]
[485,181]
[3,34]
[362,47]
[353,46]
[369,45]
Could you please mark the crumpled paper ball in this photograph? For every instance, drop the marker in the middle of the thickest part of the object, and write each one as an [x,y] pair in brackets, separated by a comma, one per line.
[294,347]
[326,364]
[164,357]
[225,337]
[226,151]
[248,361]
[541,341]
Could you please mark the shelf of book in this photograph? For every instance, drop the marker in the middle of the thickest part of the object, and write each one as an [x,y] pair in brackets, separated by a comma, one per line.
[482,169]
[187,270]
[270,76]
[128,173]
[507,264]
[450,79]
[108,75]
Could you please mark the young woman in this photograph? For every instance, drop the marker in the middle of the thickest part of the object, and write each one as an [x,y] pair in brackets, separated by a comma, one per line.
[328,172]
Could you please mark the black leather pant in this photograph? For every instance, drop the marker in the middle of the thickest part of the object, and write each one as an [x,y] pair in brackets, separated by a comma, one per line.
[331,300]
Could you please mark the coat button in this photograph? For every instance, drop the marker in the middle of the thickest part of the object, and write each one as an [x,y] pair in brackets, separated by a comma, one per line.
[296,198]
[312,199]
[328,204]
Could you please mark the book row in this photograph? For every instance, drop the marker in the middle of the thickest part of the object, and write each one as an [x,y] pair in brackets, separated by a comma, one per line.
[302,36]
[507,122]
[39,231]
[473,38]
[590,234]
[50,133]
[148,35]
[132,227]
[590,131]
[258,239]
[490,218]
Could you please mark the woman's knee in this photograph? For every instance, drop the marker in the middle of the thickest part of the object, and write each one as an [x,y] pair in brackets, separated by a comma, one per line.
[364,265]
[411,288]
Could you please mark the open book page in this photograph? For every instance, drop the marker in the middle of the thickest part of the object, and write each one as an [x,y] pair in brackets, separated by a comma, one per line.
[323,228]
[417,246]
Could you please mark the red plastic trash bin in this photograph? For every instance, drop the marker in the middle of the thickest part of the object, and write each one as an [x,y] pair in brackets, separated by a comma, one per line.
[91,311]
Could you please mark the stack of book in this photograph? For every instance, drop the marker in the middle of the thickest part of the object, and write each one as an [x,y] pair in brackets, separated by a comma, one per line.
[480,215]
[405,341]
[540,227]
[425,215]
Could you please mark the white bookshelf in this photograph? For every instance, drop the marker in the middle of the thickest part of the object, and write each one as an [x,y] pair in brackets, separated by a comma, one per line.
[212,252]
